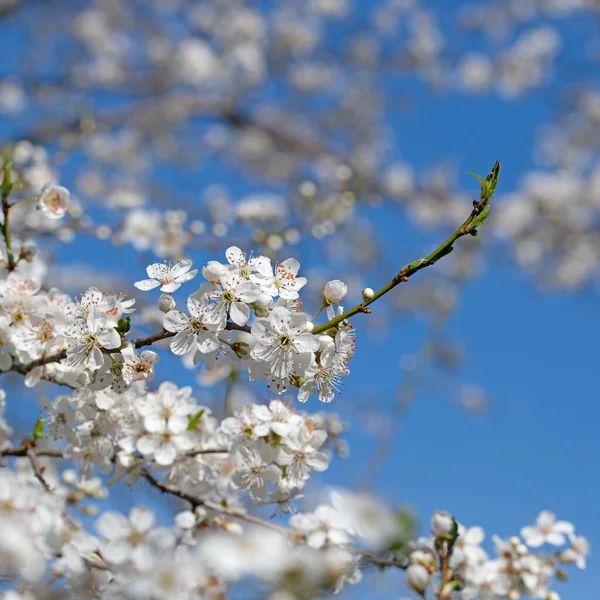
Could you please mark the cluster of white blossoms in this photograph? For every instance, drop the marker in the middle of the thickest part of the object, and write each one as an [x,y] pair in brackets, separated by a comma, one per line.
[517,571]
[116,426]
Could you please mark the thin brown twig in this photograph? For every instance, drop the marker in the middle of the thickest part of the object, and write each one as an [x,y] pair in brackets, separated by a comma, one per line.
[137,343]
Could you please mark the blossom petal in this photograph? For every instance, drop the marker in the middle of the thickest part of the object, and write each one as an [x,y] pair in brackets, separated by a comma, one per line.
[146,284]
[175,321]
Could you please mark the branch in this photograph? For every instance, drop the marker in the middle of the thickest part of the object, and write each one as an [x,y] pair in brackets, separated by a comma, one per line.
[137,343]
[166,488]
[469,227]
[29,450]
[24,449]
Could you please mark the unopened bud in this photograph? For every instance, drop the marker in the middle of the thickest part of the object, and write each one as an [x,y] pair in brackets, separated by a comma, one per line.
[514,594]
[309,326]
[368,294]
[552,596]
[241,349]
[324,342]
[166,302]
[213,271]
[335,291]
[442,524]
[561,575]
[417,578]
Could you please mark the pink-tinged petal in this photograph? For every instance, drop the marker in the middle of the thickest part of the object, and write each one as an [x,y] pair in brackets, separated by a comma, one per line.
[170,287]
[181,267]
[109,338]
[165,455]
[146,284]
[175,321]
[306,342]
[183,342]
[141,518]
[235,256]
[186,276]
[240,313]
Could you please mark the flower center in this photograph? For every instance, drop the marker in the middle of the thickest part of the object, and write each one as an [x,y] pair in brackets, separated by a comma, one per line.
[285,341]
[196,325]
[91,340]
[245,272]
[227,297]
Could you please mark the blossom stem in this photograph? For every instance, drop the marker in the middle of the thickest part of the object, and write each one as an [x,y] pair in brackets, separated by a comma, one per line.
[319,312]
[409,270]
[6,231]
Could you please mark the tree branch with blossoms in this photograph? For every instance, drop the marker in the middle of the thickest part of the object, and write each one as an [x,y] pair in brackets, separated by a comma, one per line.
[113,422]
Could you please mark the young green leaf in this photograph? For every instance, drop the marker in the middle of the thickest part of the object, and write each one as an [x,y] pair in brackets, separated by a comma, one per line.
[194,419]
[38,430]
[481,218]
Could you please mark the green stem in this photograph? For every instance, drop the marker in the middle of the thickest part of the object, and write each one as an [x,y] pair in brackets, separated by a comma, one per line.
[6,232]
[319,311]
[410,269]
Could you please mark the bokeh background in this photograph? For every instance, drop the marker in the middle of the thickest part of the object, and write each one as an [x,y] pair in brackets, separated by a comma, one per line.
[342,132]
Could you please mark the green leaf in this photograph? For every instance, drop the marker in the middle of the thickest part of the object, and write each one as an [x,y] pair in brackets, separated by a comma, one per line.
[444,252]
[124,325]
[492,179]
[193,420]
[481,218]
[415,264]
[407,531]
[488,185]
[38,430]
[7,185]
[479,178]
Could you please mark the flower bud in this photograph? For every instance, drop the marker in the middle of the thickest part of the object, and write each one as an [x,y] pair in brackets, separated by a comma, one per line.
[309,326]
[417,578]
[335,291]
[568,556]
[324,342]
[54,201]
[213,271]
[442,524]
[368,294]
[514,594]
[552,596]
[166,302]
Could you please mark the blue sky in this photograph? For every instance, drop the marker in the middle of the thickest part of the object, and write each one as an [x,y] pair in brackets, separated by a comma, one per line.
[535,354]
